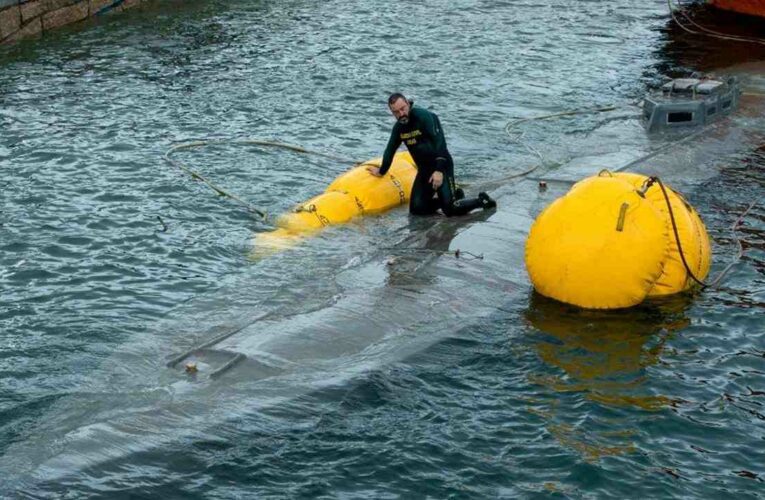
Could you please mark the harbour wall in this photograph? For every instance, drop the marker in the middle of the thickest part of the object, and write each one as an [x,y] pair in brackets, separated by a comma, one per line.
[27,18]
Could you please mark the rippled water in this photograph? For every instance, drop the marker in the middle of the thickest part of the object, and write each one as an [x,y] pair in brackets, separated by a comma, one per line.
[372,371]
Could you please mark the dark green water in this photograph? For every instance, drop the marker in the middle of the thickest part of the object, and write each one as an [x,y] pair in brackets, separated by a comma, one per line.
[428,378]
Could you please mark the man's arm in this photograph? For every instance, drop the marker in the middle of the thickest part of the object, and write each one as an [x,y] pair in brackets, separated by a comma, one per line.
[393,143]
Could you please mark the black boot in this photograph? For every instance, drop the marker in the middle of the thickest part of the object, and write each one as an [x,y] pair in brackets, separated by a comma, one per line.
[486,201]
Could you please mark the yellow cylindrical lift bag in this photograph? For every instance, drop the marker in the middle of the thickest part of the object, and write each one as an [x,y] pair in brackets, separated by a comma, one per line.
[603,245]
[332,207]
[373,195]
[353,193]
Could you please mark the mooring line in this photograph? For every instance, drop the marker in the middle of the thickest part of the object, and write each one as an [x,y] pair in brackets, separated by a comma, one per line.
[250,142]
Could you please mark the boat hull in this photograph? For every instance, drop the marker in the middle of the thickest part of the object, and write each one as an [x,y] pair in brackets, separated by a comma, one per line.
[749,7]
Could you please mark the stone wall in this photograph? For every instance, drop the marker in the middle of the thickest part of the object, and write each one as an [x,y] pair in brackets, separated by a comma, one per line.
[24,18]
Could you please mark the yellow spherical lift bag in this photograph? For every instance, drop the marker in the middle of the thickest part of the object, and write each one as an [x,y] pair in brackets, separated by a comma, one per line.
[610,243]
[352,194]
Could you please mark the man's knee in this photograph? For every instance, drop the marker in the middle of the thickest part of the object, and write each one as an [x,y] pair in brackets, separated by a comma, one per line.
[419,205]
[420,209]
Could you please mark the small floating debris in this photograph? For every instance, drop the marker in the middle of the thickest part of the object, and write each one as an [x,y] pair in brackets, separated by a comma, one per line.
[747,474]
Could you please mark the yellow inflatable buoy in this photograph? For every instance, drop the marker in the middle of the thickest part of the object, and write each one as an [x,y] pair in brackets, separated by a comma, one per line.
[610,243]
[354,193]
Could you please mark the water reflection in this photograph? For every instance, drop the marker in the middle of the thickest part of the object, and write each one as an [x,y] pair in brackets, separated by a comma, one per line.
[605,353]
[430,238]
[600,357]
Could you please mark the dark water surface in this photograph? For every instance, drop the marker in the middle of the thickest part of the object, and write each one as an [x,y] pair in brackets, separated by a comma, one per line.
[385,373]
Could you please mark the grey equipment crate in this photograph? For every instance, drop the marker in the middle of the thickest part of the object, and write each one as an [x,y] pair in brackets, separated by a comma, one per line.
[690,102]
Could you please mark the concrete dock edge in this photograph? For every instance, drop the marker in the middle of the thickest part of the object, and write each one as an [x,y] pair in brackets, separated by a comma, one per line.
[21,19]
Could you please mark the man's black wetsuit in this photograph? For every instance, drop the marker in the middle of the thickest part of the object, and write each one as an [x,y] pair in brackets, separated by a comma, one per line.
[424,138]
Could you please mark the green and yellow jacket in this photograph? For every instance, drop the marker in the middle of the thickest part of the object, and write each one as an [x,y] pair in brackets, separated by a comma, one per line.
[424,138]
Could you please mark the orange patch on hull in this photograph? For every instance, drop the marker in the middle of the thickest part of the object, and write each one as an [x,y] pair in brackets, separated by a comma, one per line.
[749,7]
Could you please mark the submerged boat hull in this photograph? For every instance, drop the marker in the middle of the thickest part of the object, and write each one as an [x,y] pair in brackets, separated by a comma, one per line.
[749,7]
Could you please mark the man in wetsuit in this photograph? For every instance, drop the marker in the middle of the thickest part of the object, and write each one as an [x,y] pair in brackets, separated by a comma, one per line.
[421,131]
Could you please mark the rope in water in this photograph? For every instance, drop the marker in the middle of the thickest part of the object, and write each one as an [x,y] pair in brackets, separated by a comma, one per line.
[249,142]
[519,136]
[740,254]
[518,139]
[734,228]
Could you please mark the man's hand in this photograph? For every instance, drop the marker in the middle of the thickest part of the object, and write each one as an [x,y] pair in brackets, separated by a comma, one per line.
[374,171]
[436,179]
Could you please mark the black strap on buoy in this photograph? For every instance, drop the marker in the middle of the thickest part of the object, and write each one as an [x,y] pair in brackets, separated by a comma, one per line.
[646,186]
